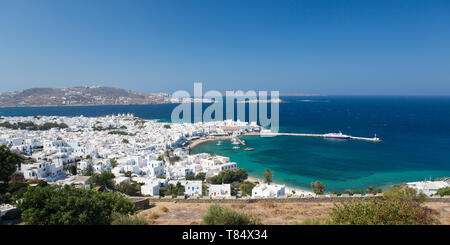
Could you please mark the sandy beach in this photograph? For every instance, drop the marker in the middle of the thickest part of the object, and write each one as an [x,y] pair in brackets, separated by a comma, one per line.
[201,141]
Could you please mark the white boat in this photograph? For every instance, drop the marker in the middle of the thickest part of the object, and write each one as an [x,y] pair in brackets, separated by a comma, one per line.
[219,143]
[234,141]
[235,147]
[336,136]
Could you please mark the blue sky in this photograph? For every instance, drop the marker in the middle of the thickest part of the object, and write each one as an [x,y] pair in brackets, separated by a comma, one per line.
[318,47]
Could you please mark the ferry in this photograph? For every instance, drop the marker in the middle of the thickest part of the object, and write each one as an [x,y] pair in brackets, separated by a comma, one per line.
[249,149]
[336,136]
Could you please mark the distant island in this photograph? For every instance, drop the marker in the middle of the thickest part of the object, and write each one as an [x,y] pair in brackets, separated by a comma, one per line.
[79,96]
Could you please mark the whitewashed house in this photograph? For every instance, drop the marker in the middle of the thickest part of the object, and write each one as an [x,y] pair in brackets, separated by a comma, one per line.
[263,190]
[223,190]
[428,187]
[151,189]
[193,188]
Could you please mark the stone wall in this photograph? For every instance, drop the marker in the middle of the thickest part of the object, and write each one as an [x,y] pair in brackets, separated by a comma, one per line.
[329,198]
[140,202]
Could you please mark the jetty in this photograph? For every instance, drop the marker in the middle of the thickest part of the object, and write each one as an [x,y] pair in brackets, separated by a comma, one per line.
[240,141]
[374,139]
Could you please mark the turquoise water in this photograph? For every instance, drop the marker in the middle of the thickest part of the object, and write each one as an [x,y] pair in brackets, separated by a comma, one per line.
[415,133]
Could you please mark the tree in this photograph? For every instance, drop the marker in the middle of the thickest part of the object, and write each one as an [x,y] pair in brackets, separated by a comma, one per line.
[9,161]
[113,162]
[174,190]
[65,205]
[190,177]
[103,180]
[73,170]
[229,176]
[125,141]
[268,176]
[318,187]
[127,188]
[11,191]
[246,188]
[200,176]
[89,170]
[217,215]
[445,191]
[166,126]
[240,174]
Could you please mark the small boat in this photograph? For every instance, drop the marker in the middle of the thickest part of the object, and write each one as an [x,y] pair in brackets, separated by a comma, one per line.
[249,149]
[234,142]
[235,147]
[219,143]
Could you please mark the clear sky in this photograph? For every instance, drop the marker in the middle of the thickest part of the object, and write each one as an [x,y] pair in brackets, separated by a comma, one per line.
[325,47]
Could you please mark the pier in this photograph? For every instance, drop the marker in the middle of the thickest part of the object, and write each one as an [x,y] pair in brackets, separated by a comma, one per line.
[240,141]
[374,139]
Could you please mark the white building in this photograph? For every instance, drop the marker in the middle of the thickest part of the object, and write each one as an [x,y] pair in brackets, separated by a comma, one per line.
[223,190]
[151,189]
[263,190]
[41,170]
[428,187]
[193,188]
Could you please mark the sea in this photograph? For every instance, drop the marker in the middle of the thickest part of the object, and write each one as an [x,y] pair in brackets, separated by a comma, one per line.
[415,133]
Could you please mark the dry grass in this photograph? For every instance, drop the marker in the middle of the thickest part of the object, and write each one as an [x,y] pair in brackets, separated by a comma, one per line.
[269,204]
[269,213]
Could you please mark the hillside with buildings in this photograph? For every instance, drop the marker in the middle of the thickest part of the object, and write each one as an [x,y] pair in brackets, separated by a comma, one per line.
[93,95]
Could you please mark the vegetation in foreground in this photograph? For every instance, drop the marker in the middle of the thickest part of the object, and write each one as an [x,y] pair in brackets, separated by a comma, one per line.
[443,191]
[400,205]
[125,219]
[64,205]
[218,215]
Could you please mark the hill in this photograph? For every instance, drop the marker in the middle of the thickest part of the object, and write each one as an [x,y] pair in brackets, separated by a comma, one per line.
[79,96]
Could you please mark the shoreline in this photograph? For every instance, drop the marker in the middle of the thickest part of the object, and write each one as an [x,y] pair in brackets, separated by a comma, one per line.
[198,142]
[288,190]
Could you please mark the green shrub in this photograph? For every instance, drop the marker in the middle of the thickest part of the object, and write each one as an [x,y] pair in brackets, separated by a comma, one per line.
[443,191]
[246,188]
[125,219]
[217,215]
[381,212]
[105,180]
[127,188]
[353,192]
[404,193]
